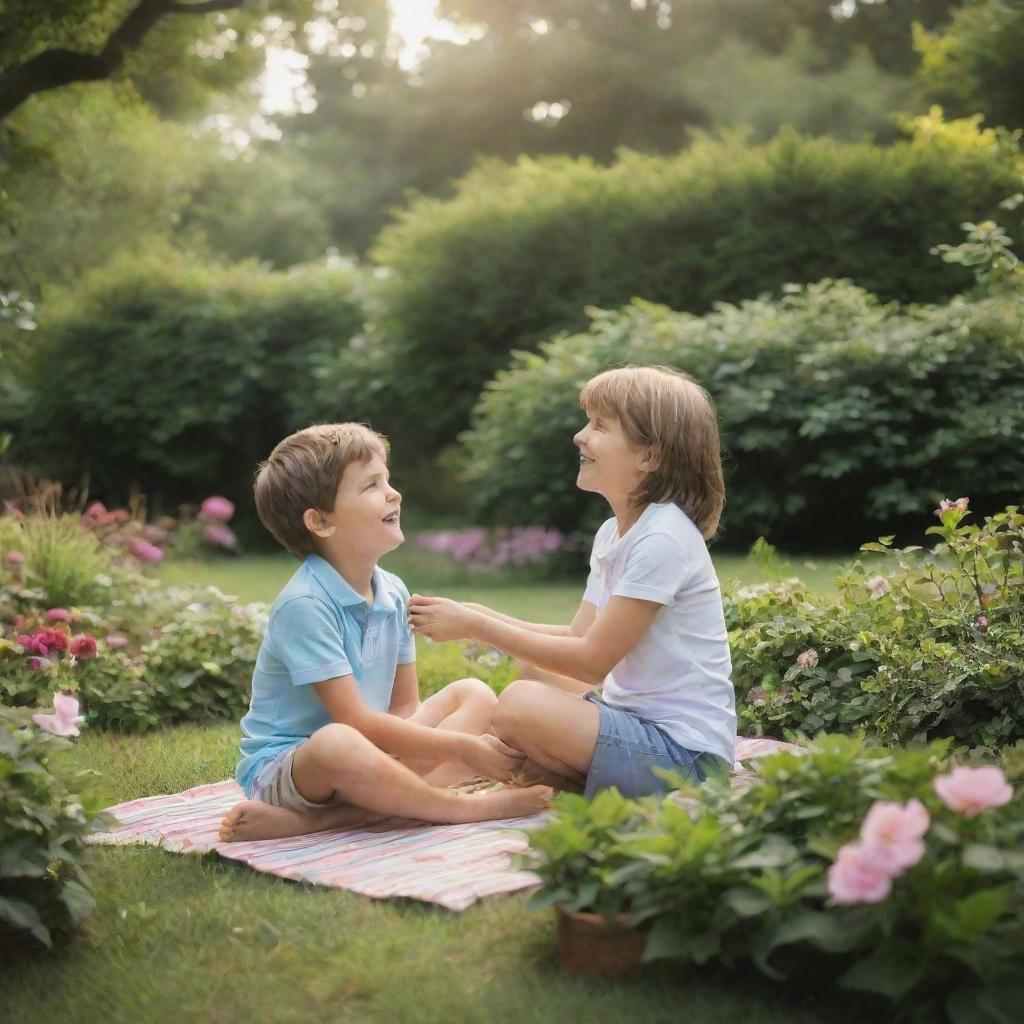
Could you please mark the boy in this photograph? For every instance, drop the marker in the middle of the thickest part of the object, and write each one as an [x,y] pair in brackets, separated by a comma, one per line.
[335,731]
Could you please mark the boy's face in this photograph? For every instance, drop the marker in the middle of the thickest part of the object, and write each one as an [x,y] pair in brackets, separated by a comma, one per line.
[366,513]
[610,464]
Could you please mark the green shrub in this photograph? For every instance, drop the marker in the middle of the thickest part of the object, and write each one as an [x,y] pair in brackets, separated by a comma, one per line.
[932,646]
[177,379]
[519,251]
[840,415]
[44,893]
[740,876]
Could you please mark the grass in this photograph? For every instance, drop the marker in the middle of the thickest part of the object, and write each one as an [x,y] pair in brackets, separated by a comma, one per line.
[211,941]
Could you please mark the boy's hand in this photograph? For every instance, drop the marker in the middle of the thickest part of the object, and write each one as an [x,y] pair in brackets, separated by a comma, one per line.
[440,619]
[491,758]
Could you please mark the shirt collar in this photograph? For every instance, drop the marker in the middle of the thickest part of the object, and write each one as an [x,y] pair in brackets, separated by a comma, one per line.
[342,593]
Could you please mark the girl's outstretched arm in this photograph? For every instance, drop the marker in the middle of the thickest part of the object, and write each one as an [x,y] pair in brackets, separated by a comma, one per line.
[613,634]
[582,620]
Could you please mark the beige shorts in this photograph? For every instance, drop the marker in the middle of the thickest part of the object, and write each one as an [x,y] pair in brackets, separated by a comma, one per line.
[274,785]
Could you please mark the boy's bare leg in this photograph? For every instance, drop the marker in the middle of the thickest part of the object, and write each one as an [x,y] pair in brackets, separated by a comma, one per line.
[466,705]
[556,730]
[339,763]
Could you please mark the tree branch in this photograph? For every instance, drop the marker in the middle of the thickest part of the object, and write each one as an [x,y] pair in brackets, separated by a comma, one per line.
[54,68]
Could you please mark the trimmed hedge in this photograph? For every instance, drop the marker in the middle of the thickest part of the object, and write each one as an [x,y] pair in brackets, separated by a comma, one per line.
[841,416]
[176,379]
[519,251]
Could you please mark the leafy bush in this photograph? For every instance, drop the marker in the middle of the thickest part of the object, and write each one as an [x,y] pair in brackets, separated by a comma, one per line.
[931,647]
[838,412]
[519,251]
[43,890]
[174,379]
[748,875]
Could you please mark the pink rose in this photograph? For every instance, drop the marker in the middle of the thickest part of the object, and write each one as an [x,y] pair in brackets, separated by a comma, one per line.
[83,647]
[48,640]
[216,508]
[893,834]
[116,641]
[29,643]
[970,791]
[146,552]
[857,877]
[808,659]
[65,720]
[58,615]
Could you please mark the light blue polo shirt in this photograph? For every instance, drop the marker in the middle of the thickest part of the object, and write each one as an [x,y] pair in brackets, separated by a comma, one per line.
[320,628]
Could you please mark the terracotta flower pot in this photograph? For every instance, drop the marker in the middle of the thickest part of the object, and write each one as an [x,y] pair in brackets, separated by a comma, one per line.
[593,945]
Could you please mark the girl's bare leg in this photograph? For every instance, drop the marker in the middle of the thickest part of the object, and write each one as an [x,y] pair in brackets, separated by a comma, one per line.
[556,730]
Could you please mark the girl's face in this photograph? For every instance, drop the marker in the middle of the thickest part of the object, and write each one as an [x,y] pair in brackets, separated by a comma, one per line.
[610,464]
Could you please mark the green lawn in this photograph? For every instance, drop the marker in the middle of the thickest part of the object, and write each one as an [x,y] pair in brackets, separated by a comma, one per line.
[197,939]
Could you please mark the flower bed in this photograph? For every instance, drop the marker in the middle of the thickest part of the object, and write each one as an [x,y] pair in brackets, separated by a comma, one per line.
[893,873]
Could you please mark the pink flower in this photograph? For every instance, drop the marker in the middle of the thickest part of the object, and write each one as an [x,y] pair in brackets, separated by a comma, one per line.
[29,643]
[808,659]
[146,552]
[116,641]
[970,791]
[83,647]
[58,615]
[217,509]
[879,587]
[219,536]
[893,834]
[65,719]
[47,640]
[97,510]
[945,505]
[14,559]
[35,662]
[858,877]
[119,515]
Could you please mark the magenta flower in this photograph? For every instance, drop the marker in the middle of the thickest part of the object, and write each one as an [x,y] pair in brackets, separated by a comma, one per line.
[219,536]
[893,834]
[217,509]
[83,647]
[969,791]
[146,552]
[858,877]
[58,615]
[30,644]
[35,662]
[115,641]
[47,640]
[808,659]
[65,719]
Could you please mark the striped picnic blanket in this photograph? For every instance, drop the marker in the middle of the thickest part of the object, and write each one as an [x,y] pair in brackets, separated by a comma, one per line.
[450,865]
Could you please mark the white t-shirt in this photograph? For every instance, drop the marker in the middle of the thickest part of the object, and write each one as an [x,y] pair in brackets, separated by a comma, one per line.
[678,674]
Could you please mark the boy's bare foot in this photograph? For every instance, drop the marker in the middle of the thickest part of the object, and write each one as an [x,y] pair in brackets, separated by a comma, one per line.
[254,819]
[510,802]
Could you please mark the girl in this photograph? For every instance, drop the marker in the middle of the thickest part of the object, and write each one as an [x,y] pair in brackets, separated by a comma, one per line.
[650,630]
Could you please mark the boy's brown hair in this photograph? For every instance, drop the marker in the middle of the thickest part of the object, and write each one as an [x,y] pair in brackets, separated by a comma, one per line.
[304,471]
[669,412]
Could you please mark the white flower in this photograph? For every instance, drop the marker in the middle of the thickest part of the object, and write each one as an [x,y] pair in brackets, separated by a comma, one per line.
[879,587]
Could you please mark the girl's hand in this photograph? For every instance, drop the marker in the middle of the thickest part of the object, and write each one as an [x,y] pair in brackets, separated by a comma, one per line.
[441,619]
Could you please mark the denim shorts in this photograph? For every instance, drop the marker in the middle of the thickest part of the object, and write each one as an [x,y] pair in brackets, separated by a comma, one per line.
[274,785]
[628,747]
